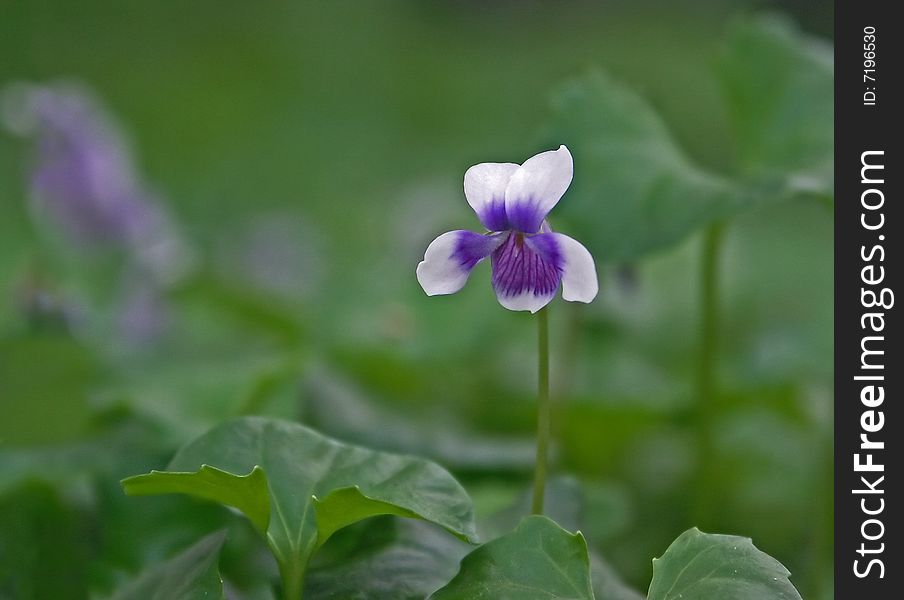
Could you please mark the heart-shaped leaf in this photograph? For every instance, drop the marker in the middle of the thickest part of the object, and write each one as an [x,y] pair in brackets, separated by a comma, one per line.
[537,561]
[634,190]
[316,485]
[705,566]
[566,504]
[247,493]
[189,575]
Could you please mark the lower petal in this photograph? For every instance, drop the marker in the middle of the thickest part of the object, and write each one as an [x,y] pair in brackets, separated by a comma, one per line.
[579,281]
[450,257]
[525,275]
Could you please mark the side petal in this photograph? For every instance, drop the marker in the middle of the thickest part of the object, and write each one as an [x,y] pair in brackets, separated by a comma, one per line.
[536,187]
[450,257]
[485,190]
[579,280]
[525,276]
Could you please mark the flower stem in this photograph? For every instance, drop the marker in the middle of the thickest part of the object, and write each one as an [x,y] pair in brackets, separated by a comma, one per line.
[543,411]
[292,575]
[706,369]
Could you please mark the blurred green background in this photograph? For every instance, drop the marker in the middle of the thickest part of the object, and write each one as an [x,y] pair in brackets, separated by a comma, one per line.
[309,152]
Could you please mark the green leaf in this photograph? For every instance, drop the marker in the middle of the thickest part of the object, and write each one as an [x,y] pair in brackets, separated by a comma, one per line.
[247,493]
[779,88]
[567,505]
[303,466]
[342,507]
[537,561]
[189,575]
[635,191]
[705,566]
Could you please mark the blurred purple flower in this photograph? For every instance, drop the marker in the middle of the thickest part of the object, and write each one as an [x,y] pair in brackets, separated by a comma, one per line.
[83,179]
[529,261]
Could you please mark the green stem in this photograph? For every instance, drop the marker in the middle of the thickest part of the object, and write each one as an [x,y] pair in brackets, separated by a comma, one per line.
[543,411]
[706,374]
[292,575]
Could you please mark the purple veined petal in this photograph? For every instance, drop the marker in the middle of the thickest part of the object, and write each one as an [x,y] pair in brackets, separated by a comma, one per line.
[450,257]
[526,272]
[579,280]
[485,190]
[536,187]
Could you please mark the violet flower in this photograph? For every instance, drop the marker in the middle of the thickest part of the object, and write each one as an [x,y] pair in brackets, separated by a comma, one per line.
[529,261]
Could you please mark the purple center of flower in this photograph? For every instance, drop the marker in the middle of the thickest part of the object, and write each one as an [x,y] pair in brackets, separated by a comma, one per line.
[527,264]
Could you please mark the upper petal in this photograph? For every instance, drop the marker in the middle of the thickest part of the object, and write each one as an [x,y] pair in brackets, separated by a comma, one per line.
[536,187]
[579,280]
[485,190]
[450,257]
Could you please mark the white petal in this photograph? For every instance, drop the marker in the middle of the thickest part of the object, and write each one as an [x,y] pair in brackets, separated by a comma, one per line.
[485,190]
[536,187]
[450,258]
[526,301]
[579,281]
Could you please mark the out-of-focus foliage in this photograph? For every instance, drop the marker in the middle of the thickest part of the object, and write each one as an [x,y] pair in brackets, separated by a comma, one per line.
[641,192]
[771,74]
[190,575]
[43,546]
[306,154]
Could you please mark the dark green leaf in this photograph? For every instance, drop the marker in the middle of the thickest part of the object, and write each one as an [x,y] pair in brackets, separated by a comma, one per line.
[567,503]
[703,566]
[342,507]
[190,575]
[537,561]
[392,559]
[303,466]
